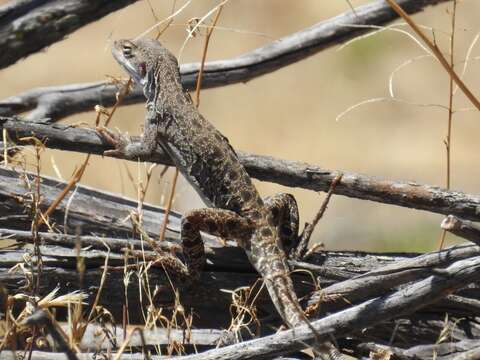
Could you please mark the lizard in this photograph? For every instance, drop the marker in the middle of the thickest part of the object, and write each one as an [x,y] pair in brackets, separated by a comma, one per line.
[207,160]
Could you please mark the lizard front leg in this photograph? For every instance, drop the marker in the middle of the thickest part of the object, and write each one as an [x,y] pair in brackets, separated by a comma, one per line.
[123,145]
[219,222]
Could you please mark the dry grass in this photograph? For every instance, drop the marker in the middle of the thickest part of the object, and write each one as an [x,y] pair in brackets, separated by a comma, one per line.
[243,311]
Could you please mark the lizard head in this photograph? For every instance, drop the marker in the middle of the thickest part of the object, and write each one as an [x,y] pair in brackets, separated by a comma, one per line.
[140,57]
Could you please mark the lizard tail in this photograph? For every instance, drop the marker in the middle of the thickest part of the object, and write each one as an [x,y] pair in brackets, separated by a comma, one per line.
[282,293]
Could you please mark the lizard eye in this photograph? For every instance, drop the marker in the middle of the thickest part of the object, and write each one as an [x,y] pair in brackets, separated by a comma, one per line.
[127,50]
[143,69]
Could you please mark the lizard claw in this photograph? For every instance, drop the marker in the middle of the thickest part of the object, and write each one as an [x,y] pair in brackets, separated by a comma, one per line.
[119,141]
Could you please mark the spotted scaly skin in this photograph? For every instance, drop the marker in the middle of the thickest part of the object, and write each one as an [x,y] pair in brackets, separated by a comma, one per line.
[207,160]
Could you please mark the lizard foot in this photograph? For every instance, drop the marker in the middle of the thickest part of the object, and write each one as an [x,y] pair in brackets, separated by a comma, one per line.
[119,141]
[167,262]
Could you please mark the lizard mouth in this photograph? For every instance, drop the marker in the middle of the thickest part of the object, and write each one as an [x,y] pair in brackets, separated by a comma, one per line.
[133,72]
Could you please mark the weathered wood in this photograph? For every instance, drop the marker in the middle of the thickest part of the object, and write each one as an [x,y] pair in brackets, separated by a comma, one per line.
[346,277]
[105,337]
[367,314]
[465,349]
[470,354]
[383,279]
[369,311]
[207,299]
[284,172]
[90,212]
[44,355]
[228,268]
[420,328]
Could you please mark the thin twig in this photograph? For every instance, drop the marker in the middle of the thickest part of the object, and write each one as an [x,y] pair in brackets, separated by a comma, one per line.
[170,21]
[37,218]
[204,56]
[437,52]
[302,246]
[77,176]
[121,95]
[168,207]
[448,140]
[125,343]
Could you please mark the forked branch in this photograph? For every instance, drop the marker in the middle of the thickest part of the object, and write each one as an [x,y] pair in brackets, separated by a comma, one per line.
[57,102]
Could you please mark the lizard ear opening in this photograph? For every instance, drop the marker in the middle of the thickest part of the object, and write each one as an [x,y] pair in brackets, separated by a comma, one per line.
[142,67]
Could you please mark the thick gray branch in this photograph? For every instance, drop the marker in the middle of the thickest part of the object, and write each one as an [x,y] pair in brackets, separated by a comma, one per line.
[153,337]
[355,318]
[29,26]
[223,273]
[464,349]
[385,278]
[60,101]
[285,172]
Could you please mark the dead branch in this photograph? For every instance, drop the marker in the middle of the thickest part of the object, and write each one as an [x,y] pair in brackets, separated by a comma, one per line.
[45,355]
[444,351]
[462,228]
[339,273]
[58,102]
[221,273]
[91,211]
[385,278]
[227,267]
[27,27]
[367,314]
[109,337]
[284,172]
[466,350]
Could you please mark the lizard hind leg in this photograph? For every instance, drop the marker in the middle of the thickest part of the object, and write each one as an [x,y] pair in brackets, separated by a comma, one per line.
[219,222]
[284,210]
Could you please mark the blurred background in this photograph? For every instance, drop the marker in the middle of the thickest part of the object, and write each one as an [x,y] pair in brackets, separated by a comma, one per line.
[292,113]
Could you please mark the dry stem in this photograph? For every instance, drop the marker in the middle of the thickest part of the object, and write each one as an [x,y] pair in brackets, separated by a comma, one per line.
[437,52]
